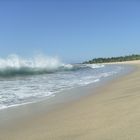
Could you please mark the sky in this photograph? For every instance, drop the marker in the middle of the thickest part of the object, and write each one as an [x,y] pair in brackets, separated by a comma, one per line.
[73,30]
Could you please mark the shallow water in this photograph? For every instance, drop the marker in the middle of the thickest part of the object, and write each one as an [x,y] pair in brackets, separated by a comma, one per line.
[22,89]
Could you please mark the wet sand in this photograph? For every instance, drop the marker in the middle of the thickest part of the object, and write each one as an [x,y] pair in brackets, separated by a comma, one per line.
[113,113]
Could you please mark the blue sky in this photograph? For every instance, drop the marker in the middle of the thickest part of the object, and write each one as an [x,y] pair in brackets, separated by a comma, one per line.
[74,30]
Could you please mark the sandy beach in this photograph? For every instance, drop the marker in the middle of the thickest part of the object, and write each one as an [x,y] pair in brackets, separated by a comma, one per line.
[111,114]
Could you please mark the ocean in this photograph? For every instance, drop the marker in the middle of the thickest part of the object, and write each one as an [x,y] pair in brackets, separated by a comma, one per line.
[24,81]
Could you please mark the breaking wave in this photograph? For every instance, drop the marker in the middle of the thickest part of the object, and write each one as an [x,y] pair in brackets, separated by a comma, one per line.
[15,65]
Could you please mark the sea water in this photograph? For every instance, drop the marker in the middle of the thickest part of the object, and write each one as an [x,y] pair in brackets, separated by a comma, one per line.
[24,81]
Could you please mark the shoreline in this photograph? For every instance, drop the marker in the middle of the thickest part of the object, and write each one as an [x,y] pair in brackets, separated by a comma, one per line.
[95,84]
[124,62]
[64,97]
[74,119]
[49,86]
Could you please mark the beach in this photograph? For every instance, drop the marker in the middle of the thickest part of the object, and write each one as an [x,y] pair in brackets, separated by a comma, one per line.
[112,113]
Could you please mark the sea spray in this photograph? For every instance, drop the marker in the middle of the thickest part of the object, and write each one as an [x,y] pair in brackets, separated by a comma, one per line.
[27,80]
[15,65]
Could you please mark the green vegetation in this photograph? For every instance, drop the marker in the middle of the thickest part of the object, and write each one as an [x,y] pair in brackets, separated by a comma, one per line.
[114,59]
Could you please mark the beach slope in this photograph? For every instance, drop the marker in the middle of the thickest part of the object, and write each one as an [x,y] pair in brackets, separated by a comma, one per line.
[111,114]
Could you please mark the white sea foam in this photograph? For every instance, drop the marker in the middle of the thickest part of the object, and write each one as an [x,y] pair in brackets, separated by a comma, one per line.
[14,64]
[21,89]
[93,66]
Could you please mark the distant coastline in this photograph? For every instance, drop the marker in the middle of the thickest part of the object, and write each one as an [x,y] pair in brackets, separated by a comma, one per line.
[114,59]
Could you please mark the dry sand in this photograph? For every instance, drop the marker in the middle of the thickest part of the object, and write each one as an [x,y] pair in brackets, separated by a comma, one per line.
[112,114]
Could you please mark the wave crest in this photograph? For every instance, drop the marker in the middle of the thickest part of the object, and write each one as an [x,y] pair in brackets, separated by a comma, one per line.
[14,65]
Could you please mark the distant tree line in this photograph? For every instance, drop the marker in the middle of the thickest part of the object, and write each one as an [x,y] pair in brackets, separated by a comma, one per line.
[114,59]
